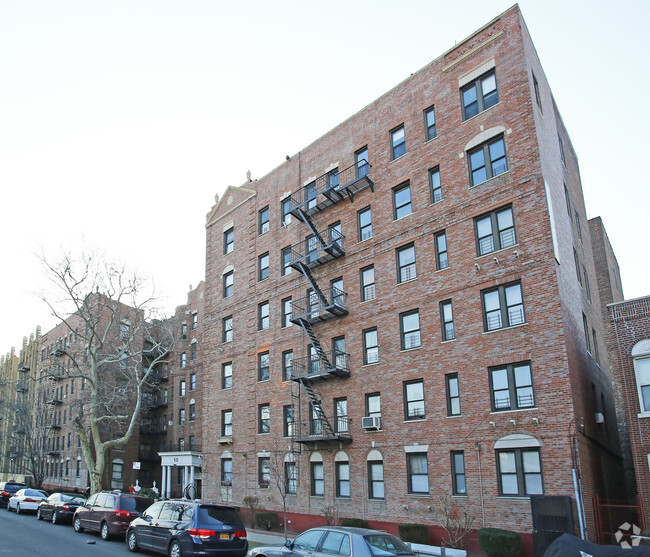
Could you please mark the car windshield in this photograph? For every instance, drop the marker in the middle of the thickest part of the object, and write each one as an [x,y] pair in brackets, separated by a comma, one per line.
[137,504]
[217,516]
[384,544]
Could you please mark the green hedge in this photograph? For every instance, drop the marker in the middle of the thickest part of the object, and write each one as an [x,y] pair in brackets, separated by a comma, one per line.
[499,543]
[355,522]
[267,520]
[414,533]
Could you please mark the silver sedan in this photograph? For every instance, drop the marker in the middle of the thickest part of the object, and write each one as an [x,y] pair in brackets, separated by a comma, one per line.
[332,541]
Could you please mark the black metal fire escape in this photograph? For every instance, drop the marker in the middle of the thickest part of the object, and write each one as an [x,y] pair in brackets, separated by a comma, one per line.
[321,304]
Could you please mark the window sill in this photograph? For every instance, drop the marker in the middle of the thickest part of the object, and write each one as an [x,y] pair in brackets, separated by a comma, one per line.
[411,349]
[415,420]
[455,416]
[497,412]
[643,415]
[371,364]
[264,279]
[472,186]
[404,217]
[364,240]
[418,495]
[447,341]
[267,433]
[400,157]
[491,253]
[443,269]
[407,281]
[433,138]
[482,112]
[369,300]
[506,328]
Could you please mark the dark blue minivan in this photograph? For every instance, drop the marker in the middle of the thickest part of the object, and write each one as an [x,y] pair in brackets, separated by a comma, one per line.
[183,528]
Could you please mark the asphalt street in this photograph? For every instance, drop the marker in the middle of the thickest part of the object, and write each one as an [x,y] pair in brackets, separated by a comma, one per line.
[24,536]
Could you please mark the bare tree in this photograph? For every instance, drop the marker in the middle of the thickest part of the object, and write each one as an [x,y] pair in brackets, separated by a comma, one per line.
[283,472]
[110,311]
[456,523]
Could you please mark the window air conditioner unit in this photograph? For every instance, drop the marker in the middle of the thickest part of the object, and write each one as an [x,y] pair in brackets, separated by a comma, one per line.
[371,422]
[224,439]
[600,418]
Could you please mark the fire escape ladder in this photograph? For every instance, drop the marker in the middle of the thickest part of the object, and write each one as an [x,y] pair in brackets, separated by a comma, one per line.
[306,271]
[317,407]
[309,331]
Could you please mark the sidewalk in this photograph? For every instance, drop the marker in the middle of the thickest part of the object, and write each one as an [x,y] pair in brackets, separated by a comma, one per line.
[267,538]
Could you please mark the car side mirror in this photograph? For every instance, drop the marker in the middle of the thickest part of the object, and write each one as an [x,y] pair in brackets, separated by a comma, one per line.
[289,544]
[147,517]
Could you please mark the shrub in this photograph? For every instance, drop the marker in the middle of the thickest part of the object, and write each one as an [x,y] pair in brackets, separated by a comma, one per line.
[148,492]
[355,522]
[267,520]
[499,543]
[414,533]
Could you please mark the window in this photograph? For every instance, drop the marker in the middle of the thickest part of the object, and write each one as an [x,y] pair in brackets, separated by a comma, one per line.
[264,418]
[337,292]
[368,283]
[418,475]
[183,360]
[373,405]
[317,479]
[410,329]
[226,329]
[195,320]
[285,205]
[192,381]
[361,160]
[228,284]
[442,256]
[567,198]
[228,241]
[263,318]
[310,195]
[538,96]
[286,260]
[193,351]
[397,142]
[364,220]
[288,421]
[435,185]
[341,415]
[458,484]
[287,365]
[181,416]
[264,471]
[125,330]
[520,472]
[263,266]
[561,146]
[577,264]
[586,283]
[479,95]
[181,388]
[430,124]
[333,178]
[414,400]
[342,471]
[118,467]
[512,387]
[226,471]
[370,346]
[263,366]
[447,320]
[585,326]
[312,245]
[406,268]
[263,221]
[495,231]
[192,412]
[453,394]
[503,307]
[339,354]
[487,161]
[287,312]
[376,479]
[290,478]
[226,423]
[402,201]
[642,372]
[226,375]
[595,339]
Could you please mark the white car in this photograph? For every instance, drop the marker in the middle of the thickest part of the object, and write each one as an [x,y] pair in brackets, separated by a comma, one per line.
[26,500]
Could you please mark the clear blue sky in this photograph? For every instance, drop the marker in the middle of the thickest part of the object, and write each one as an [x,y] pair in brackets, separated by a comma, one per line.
[120,120]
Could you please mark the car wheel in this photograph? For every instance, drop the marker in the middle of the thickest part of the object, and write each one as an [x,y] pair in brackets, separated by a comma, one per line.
[103,532]
[76,524]
[175,549]
[17,509]
[8,508]
[38,514]
[54,517]
[132,541]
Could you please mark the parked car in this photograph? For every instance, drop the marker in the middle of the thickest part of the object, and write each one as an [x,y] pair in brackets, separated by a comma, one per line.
[60,506]
[7,489]
[188,528]
[26,499]
[109,513]
[335,540]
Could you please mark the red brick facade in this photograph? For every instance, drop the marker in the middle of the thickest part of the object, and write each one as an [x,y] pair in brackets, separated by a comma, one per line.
[541,186]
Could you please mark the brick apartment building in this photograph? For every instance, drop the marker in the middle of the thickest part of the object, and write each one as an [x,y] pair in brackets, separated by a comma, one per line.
[631,340]
[407,308]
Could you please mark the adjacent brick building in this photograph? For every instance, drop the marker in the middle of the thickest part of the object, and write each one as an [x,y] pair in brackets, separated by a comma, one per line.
[408,308]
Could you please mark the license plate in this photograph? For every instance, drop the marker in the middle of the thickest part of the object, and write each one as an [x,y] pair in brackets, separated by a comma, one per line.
[224,536]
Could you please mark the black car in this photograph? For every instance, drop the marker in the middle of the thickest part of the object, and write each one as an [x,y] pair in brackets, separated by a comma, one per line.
[60,506]
[187,528]
[8,490]
[109,513]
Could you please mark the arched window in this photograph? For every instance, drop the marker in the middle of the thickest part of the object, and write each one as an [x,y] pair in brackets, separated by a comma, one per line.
[375,462]
[519,466]
[290,474]
[641,356]
[317,475]
[342,472]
